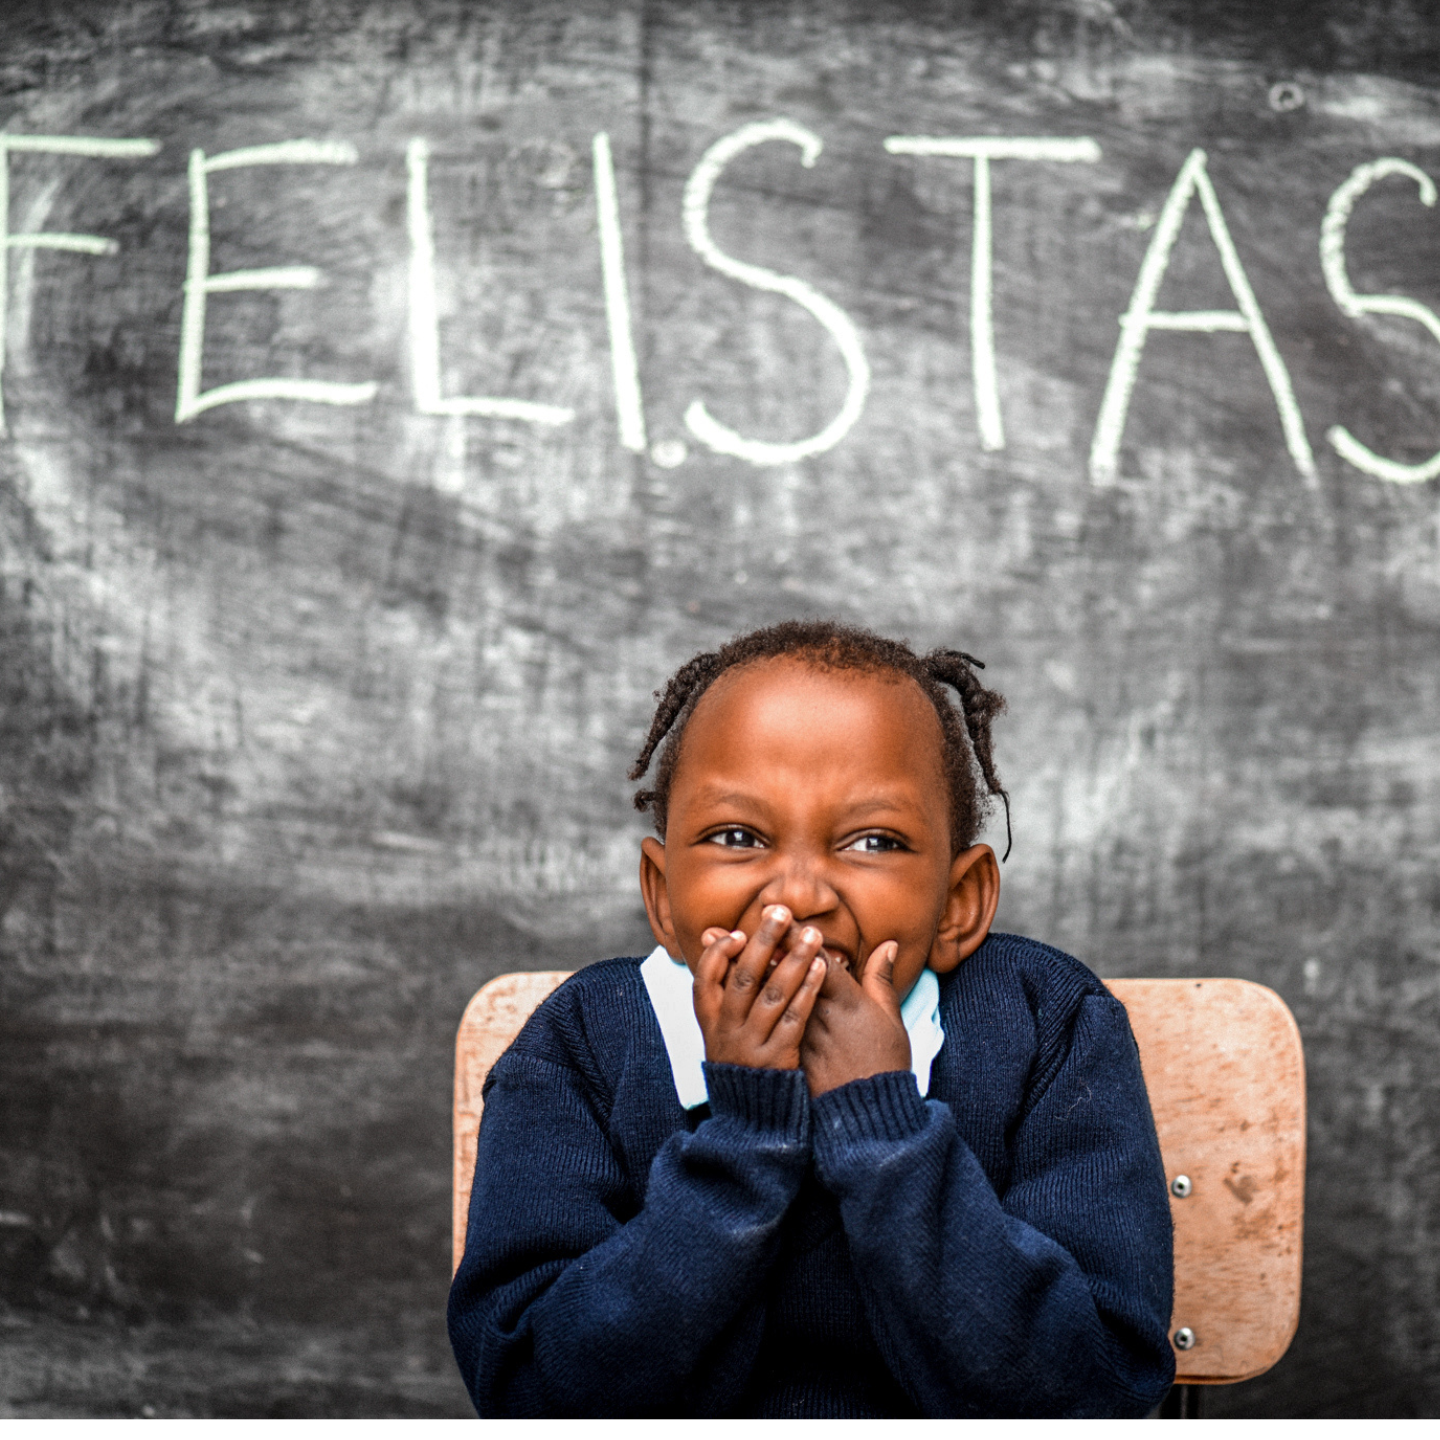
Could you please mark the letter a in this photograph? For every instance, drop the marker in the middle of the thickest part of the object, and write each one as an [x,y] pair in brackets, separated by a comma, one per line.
[1141,318]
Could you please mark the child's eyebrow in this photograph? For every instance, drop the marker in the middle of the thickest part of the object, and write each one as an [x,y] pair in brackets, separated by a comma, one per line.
[708,795]
[879,805]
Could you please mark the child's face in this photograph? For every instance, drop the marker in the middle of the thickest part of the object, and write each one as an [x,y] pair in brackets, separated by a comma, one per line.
[823,791]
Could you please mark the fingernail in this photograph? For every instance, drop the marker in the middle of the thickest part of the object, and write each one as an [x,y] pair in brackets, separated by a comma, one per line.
[810,935]
[737,935]
[777,915]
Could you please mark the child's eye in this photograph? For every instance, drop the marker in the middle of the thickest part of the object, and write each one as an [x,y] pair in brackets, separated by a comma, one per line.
[734,837]
[875,844]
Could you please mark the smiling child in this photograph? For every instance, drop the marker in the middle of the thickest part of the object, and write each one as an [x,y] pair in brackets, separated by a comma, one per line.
[834,1148]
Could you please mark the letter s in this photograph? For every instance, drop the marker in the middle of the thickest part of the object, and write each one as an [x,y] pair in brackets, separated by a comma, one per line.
[698,188]
[1332,261]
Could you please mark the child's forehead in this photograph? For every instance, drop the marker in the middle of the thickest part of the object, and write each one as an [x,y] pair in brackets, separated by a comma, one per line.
[795,696]
[792,738]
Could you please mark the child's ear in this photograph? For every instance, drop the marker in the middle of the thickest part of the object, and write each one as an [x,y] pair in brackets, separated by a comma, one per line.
[969,908]
[657,893]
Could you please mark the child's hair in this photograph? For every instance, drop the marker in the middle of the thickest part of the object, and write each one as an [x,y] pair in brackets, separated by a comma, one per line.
[830,645]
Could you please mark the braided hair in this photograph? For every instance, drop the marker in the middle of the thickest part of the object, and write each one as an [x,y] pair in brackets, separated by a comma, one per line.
[829,645]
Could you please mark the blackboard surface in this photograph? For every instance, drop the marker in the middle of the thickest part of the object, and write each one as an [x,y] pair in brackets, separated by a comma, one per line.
[315,705]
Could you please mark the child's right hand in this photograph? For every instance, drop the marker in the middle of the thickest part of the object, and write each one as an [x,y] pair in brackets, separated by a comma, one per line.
[750,1014]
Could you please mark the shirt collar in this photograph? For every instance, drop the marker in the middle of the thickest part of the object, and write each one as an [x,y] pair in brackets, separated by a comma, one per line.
[670,987]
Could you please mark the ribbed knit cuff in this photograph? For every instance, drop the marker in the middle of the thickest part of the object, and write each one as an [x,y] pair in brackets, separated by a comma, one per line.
[775,1100]
[880,1107]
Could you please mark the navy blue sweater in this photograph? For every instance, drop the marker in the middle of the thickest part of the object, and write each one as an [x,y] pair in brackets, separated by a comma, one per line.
[1002,1248]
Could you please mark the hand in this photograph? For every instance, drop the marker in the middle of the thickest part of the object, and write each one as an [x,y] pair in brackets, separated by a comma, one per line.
[752,1002]
[855,1028]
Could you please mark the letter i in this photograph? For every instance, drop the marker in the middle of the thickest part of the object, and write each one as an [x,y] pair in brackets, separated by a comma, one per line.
[624,366]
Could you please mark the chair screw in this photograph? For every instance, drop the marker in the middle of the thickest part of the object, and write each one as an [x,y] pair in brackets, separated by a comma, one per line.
[1184,1338]
[1180,1187]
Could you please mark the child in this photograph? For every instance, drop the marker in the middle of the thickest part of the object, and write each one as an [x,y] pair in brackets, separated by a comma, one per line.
[743,1205]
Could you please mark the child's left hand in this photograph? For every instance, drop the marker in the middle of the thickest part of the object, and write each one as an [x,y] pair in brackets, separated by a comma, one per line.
[855,1029]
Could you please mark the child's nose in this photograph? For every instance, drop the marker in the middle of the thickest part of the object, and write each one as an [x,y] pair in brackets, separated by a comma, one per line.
[802,887]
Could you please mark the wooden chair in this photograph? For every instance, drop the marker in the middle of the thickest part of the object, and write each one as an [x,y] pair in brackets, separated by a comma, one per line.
[1226,1076]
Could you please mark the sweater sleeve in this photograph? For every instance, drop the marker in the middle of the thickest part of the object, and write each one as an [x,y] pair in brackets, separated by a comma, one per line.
[1052,1298]
[567,1304]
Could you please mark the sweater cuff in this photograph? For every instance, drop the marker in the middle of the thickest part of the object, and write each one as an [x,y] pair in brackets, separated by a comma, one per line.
[884,1107]
[776,1100]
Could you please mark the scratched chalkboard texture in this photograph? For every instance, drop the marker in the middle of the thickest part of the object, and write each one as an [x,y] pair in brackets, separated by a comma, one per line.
[317,694]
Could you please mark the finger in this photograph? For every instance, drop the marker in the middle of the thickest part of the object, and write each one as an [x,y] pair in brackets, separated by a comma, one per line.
[721,947]
[783,982]
[830,1004]
[796,1015]
[840,985]
[711,969]
[787,942]
[716,935]
[878,979]
[745,977]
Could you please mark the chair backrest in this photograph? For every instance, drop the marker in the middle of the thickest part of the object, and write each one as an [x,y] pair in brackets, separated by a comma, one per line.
[491,1021]
[1226,1077]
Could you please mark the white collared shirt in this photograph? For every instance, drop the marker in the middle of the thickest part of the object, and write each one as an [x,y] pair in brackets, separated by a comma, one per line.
[671,989]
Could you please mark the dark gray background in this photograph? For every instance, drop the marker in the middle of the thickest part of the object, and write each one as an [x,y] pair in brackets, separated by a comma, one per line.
[312,719]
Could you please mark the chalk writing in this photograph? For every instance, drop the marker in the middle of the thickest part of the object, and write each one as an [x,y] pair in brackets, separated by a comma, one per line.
[86,147]
[982,150]
[425,319]
[667,454]
[199,283]
[695,216]
[623,365]
[1142,317]
[1337,279]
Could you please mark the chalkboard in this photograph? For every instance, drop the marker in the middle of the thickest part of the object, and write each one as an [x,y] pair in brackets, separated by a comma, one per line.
[394,395]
